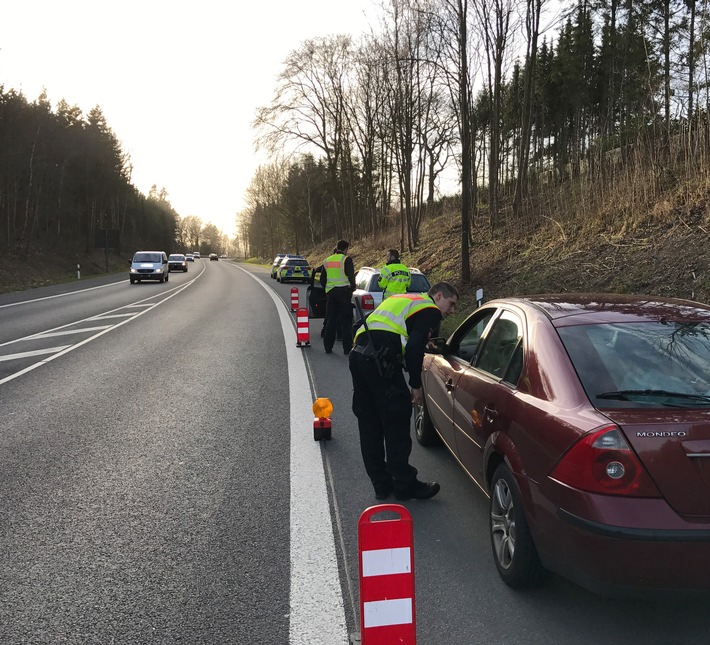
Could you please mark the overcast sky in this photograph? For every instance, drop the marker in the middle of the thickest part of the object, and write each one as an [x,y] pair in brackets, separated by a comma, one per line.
[178,83]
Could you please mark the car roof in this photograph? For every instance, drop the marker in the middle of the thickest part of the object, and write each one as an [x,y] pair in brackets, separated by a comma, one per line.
[588,308]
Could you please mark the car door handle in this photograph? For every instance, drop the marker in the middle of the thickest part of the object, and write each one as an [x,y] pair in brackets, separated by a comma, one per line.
[449,385]
[490,413]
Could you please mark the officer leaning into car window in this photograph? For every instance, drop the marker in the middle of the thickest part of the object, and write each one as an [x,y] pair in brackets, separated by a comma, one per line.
[394,276]
[395,335]
[338,280]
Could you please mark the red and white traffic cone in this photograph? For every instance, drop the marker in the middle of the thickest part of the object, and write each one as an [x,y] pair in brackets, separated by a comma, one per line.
[302,330]
[386,554]
[294,298]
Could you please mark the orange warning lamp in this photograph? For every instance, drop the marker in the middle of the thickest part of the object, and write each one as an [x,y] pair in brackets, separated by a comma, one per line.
[322,408]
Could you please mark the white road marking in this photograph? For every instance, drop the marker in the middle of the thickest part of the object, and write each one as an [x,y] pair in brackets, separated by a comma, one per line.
[66,332]
[107,317]
[60,295]
[36,352]
[104,330]
[317,614]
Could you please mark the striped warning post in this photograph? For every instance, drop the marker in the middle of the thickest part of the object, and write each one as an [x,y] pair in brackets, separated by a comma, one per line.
[302,331]
[294,298]
[386,550]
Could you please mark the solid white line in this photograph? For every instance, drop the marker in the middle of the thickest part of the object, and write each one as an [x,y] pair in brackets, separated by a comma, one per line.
[36,352]
[317,614]
[61,295]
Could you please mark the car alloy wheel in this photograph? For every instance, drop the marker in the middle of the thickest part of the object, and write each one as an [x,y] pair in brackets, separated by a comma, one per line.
[423,427]
[514,552]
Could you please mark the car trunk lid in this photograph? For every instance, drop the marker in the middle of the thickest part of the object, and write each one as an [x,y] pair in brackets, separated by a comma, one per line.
[674,447]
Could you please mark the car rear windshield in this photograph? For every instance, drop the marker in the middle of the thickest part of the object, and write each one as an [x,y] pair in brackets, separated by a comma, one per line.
[147,257]
[642,364]
[176,257]
[419,284]
[295,262]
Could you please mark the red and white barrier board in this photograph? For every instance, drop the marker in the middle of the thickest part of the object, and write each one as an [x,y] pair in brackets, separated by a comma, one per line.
[303,338]
[294,298]
[386,550]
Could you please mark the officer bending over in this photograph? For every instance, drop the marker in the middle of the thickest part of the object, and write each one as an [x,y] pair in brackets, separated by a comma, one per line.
[396,336]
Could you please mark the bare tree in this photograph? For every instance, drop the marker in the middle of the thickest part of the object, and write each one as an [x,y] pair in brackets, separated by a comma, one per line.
[308,109]
[497,21]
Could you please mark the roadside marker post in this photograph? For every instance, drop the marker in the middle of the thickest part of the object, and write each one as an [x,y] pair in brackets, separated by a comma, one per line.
[294,298]
[386,562]
[302,330]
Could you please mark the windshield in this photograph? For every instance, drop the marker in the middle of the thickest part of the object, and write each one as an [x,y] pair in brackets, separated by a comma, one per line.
[176,257]
[642,364]
[147,257]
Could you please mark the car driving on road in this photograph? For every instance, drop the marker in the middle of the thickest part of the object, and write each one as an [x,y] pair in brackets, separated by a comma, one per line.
[149,265]
[177,262]
[586,420]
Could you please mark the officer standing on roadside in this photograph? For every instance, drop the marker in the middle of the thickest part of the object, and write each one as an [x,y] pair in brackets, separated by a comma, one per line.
[394,276]
[338,280]
[396,333]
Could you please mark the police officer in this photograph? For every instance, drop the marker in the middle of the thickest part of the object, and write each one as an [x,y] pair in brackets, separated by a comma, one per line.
[396,335]
[338,280]
[394,276]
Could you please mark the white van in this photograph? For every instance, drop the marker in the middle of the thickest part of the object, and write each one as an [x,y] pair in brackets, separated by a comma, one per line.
[149,265]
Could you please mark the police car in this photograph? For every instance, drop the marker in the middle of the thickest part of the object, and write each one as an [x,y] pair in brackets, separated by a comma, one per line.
[294,268]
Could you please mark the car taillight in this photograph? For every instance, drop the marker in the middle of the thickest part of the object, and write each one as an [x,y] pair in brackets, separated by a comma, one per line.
[367,302]
[602,462]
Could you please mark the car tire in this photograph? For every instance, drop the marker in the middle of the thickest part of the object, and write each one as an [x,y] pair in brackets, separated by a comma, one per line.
[132,279]
[167,277]
[514,551]
[424,428]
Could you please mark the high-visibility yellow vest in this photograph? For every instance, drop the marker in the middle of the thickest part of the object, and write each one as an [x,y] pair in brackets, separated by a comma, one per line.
[392,314]
[394,278]
[335,271]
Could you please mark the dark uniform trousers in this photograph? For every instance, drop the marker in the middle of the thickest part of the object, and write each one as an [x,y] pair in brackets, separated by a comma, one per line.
[383,408]
[338,318]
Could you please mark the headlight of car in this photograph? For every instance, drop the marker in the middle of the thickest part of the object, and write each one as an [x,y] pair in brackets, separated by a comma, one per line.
[133,270]
[160,270]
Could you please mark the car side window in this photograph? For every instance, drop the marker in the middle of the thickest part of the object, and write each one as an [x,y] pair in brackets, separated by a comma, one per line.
[465,346]
[501,345]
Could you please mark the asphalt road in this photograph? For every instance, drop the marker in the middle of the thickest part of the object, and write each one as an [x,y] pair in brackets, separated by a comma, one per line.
[155,485]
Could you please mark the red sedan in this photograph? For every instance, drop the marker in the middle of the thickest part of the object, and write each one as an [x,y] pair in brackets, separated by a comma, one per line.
[586,420]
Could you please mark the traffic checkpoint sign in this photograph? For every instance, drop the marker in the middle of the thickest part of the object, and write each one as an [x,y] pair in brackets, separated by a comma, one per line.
[386,562]
[303,338]
[294,298]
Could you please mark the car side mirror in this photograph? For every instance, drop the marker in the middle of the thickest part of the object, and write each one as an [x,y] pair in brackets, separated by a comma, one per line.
[436,346]
[130,261]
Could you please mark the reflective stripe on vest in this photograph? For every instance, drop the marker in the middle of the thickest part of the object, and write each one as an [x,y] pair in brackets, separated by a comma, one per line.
[335,272]
[392,314]
[396,279]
